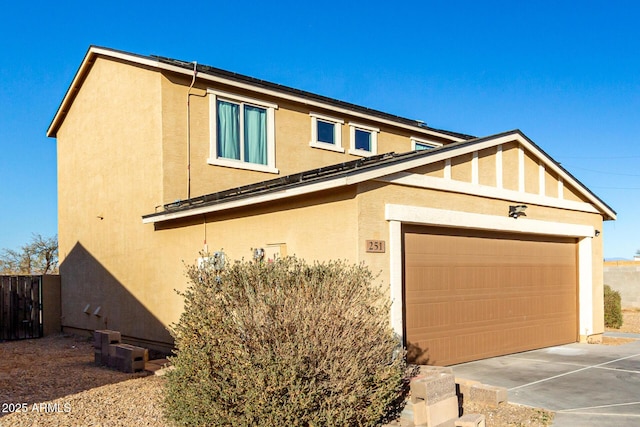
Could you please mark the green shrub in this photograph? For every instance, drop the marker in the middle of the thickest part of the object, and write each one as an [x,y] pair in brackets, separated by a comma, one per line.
[612,308]
[284,344]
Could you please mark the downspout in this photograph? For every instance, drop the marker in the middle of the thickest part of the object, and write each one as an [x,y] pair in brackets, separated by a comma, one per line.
[193,81]
[189,94]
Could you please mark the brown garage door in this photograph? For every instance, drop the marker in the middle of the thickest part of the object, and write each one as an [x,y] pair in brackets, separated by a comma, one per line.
[471,295]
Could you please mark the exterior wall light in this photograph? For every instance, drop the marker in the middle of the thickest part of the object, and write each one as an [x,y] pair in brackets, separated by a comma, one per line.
[517,211]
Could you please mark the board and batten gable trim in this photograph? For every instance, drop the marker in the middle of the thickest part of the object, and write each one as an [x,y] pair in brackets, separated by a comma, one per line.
[463,187]
[396,215]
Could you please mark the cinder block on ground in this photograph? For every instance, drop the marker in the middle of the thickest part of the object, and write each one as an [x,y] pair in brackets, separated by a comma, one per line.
[487,394]
[441,413]
[471,420]
[97,356]
[130,358]
[103,338]
[463,386]
[406,415]
[109,356]
[405,423]
[433,388]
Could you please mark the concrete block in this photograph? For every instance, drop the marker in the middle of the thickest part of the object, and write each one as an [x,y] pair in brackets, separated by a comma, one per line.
[103,338]
[406,415]
[487,394]
[433,388]
[97,357]
[406,423]
[471,420]
[109,356]
[130,358]
[436,414]
[463,386]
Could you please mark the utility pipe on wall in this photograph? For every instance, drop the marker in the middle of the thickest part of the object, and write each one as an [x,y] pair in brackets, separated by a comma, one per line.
[193,81]
[189,94]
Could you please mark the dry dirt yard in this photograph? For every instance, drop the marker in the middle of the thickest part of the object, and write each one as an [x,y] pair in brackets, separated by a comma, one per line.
[52,381]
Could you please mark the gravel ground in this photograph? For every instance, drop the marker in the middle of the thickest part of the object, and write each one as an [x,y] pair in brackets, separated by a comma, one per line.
[53,382]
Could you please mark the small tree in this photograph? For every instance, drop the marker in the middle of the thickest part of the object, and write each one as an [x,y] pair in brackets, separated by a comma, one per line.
[612,308]
[40,256]
[283,344]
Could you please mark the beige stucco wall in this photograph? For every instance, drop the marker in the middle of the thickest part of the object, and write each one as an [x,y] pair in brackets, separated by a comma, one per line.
[109,175]
[122,151]
[293,134]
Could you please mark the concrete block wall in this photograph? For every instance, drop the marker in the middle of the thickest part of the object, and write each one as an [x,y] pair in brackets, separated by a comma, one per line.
[624,277]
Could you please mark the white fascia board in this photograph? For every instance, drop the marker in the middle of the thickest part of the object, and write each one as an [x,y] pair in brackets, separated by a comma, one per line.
[550,165]
[442,184]
[476,221]
[149,62]
[248,201]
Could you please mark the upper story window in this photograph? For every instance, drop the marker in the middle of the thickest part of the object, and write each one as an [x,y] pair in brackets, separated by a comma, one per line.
[364,140]
[423,144]
[242,132]
[326,132]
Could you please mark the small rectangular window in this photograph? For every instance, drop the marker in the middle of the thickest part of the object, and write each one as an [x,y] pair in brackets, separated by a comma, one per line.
[418,144]
[364,140]
[326,133]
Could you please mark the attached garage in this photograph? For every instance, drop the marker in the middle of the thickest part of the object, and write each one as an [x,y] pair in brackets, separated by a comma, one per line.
[472,294]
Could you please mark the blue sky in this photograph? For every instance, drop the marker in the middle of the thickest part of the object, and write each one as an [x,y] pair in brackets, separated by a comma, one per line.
[565,73]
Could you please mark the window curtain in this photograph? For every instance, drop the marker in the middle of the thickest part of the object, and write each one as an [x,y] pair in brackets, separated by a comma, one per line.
[228,130]
[255,135]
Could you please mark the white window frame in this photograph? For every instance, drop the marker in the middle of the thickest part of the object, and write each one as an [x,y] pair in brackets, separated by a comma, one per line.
[374,140]
[213,159]
[419,141]
[337,133]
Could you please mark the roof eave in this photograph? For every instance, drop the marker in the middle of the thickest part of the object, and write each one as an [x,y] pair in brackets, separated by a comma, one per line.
[244,82]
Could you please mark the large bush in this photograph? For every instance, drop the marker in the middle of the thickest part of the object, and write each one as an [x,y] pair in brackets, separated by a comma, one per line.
[612,308]
[284,344]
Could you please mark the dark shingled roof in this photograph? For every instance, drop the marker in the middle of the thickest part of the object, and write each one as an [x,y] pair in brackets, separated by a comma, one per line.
[303,178]
[297,92]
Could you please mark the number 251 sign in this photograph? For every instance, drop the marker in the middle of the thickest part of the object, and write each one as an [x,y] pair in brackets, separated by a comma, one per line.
[375,246]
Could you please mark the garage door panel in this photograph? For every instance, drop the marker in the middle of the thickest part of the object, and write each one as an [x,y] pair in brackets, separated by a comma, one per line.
[470,295]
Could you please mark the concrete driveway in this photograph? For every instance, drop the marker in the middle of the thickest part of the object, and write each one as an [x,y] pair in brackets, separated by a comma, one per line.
[585,384]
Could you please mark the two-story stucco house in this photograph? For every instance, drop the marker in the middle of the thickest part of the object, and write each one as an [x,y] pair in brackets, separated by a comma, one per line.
[160,159]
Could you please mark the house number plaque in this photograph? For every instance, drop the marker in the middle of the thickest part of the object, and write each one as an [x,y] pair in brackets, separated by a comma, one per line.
[375,246]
